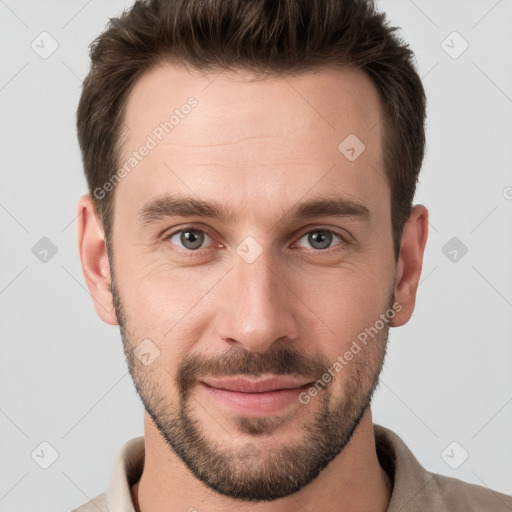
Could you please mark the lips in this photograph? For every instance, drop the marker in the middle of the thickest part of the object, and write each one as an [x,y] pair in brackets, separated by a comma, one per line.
[256,386]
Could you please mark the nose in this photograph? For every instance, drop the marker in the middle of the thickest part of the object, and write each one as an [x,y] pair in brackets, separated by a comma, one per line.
[256,305]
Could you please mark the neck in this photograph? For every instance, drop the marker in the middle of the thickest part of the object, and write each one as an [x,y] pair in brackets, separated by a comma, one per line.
[353,481]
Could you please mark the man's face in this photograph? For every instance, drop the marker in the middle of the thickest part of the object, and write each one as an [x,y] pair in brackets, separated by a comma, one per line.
[269,289]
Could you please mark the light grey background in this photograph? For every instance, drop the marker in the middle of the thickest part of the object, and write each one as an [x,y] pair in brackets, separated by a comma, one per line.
[63,376]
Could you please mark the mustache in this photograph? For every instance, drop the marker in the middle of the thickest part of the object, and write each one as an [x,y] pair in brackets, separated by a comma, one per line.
[239,362]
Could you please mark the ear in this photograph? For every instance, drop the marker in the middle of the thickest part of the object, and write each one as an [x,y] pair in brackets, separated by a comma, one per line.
[410,262]
[94,258]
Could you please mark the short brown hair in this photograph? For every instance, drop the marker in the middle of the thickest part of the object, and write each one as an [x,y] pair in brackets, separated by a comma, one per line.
[274,37]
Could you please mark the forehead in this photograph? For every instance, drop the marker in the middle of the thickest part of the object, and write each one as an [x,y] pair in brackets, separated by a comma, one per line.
[333,100]
[251,135]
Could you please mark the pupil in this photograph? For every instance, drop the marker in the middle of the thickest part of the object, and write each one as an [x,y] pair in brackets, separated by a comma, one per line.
[191,239]
[320,239]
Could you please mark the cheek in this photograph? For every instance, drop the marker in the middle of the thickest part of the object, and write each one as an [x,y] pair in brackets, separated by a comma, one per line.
[158,292]
[345,299]
[169,306]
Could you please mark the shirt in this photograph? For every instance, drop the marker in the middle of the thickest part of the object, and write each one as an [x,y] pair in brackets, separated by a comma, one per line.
[414,488]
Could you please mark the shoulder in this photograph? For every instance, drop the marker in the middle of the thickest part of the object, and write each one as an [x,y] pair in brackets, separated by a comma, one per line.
[416,489]
[455,494]
[97,504]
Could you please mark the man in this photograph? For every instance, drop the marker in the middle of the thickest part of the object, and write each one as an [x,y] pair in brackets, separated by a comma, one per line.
[250,227]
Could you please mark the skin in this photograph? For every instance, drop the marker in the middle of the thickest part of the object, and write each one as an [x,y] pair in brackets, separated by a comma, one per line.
[258,147]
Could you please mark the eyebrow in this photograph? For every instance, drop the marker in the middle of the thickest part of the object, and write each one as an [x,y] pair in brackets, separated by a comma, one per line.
[173,205]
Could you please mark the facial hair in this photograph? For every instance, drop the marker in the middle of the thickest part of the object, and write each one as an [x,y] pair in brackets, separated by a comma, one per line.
[248,472]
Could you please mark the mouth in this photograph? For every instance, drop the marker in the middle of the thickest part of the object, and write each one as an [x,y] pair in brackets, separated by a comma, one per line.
[256,397]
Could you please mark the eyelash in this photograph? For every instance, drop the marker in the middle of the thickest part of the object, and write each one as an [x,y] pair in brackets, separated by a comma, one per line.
[343,243]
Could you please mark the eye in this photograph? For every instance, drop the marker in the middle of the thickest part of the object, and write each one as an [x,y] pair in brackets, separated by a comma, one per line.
[321,239]
[189,238]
